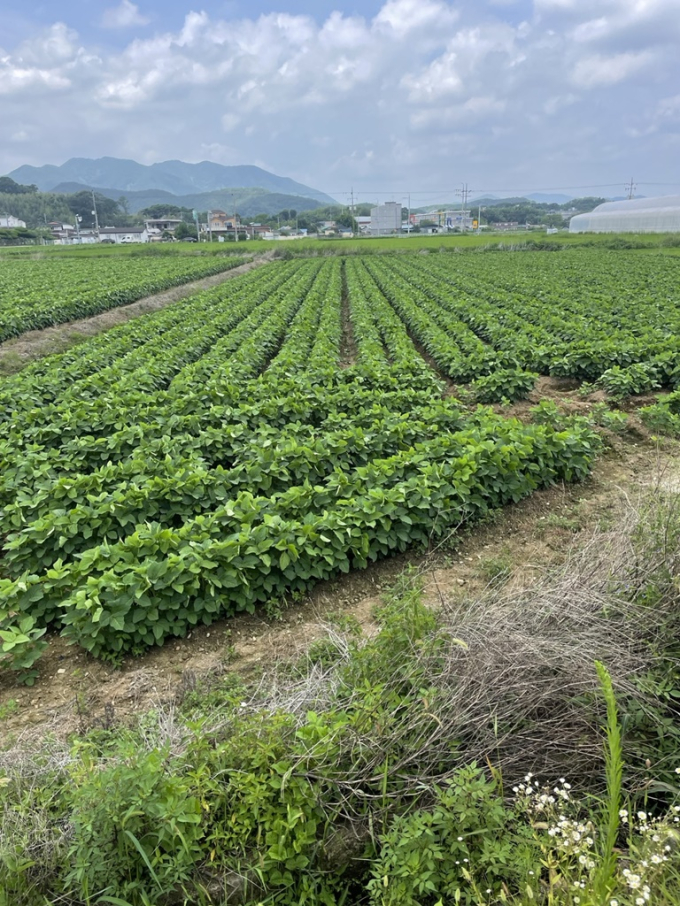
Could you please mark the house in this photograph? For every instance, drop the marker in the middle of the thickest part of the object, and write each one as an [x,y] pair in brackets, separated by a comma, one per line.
[123,235]
[223,225]
[13,223]
[363,224]
[156,226]
[66,234]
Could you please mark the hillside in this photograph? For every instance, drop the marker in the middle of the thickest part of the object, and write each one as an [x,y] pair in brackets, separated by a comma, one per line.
[172,176]
[249,201]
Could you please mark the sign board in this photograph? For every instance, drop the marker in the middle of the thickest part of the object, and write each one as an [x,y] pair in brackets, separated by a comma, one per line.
[475,224]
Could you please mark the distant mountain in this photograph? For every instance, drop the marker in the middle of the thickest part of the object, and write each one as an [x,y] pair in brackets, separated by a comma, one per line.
[542,198]
[248,202]
[172,176]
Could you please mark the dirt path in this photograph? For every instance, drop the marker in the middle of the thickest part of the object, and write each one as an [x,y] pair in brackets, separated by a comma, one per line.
[75,692]
[348,347]
[18,352]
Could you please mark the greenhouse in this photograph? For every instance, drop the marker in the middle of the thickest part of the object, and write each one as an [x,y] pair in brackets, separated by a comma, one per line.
[636,215]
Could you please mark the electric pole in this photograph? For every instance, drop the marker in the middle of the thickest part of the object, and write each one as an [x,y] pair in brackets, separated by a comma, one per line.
[94,211]
[464,193]
[630,189]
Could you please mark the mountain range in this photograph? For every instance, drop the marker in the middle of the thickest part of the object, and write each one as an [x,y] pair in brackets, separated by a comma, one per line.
[172,176]
[248,202]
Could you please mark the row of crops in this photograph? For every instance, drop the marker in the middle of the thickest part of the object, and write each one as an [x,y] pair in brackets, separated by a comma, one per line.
[224,452]
[606,317]
[40,293]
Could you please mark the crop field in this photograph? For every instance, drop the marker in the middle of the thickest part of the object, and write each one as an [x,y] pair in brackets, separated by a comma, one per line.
[53,290]
[243,444]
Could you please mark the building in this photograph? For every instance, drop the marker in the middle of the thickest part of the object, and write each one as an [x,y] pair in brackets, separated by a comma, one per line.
[386,219]
[123,235]
[67,234]
[10,222]
[222,225]
[444,220]
[363,224]
[635,215]
[159,225]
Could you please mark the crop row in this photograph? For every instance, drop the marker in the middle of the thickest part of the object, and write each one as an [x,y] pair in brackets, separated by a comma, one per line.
[160,581]
[574,314]
[40,293]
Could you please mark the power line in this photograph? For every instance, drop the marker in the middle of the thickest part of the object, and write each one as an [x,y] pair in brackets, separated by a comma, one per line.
[373,192]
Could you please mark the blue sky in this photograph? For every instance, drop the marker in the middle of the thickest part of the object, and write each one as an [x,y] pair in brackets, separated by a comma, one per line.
[383,96]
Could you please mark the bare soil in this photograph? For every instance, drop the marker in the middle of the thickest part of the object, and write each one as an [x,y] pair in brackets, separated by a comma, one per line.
[75,692]
[348,347]
[18,352]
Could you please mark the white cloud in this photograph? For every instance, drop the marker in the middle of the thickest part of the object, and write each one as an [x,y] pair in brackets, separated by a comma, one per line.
[595,71]
[405,16]
[405,95]
[125,15]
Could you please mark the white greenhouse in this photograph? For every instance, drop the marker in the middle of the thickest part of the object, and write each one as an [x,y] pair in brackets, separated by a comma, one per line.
[636,215]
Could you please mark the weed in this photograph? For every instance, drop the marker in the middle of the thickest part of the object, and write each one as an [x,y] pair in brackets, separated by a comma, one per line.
[8,708]
[496,570]
[562,521]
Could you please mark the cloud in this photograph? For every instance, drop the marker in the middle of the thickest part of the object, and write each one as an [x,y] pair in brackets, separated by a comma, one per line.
[403,17]
[597,70]
[422,89]
[125,15]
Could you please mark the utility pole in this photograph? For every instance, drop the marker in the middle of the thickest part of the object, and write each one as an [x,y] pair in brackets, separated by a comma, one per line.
[210,225]
[479,219]
[464,193]
[408,223]
[96,217]
[78,219]
[630,189]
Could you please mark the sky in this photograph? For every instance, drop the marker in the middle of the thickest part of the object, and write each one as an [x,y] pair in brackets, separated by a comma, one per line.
[384,98]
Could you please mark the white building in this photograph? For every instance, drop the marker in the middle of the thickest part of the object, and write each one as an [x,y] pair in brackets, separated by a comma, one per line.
[123,235]
[635,215]
[159,225]
[386,219]
[444,220]
[7,220]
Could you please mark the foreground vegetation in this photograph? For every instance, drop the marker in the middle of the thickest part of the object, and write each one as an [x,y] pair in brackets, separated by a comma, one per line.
[474,755]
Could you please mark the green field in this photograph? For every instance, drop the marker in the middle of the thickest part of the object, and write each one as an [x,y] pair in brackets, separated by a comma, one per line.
[490,240]
[54,290]
[301,421]
[243,444]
